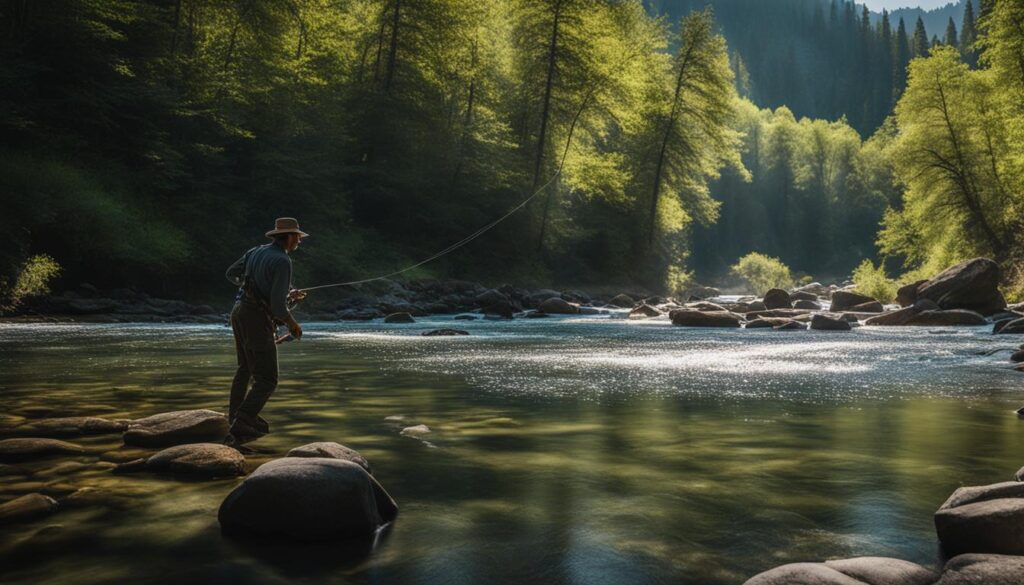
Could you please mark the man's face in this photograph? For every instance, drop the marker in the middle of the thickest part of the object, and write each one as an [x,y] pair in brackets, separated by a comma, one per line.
[293,242]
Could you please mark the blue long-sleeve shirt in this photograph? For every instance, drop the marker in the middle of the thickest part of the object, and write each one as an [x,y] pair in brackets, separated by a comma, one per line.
[270,269]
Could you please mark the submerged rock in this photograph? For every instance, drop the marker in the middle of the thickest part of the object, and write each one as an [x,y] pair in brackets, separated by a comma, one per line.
[767,322]
[644,311]
[856,571]
[177,428]
[983,519]
[25,449]
[982,569]
[465,317]
[70,426]
[401,317]
[416,431]
[444,332]
[330,450]
[27,507]
[195,459]
[823,322]
[692,318]
[307,499]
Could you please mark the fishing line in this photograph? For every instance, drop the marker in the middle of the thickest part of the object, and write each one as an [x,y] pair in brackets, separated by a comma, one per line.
[449,249]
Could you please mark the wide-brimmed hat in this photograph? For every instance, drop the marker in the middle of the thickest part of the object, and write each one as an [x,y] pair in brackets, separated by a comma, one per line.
[286,225]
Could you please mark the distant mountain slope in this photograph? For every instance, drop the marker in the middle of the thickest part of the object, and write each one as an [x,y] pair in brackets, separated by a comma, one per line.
[935,20]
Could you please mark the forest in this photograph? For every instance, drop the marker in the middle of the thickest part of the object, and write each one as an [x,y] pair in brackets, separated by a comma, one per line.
[147,143]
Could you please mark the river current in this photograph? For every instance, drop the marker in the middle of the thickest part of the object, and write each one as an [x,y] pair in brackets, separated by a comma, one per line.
[582,450]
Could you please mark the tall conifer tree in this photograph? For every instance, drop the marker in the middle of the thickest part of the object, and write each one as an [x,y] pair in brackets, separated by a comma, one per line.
[919,42]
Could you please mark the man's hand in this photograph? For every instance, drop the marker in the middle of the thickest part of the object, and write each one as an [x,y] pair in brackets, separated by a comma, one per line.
[295,295]
[295,329]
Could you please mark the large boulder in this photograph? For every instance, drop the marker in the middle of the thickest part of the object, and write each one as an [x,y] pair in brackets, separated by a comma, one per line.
[558,306]
[490,297]
[983,519]
[692,318]
[823,322]
[195,459]
[971,285]
[980,569]
[777,298]
[26,449]
[844,300]
[502,309]
[27,507]
[705,306]
[177,428]
[330,450]
[857,571]
[906,295]
[70,426]
[947,318]
[307,499]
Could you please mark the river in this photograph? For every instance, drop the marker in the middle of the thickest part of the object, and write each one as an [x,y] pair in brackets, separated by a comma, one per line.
[565,450]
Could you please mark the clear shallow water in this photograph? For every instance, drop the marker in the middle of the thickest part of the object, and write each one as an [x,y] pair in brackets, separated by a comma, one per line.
[564,450]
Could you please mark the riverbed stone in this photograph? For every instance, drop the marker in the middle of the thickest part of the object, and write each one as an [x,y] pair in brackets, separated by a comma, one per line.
[622,300]
[802,295]
[806,304]
[416,431]
[558,306]
[949,317]
[868,307]
[823,322]
[27,507]
[983,569]
[777,298]
[177,428]
[692,318]
[856,571]
[30,448]
[307,499]
[1017,356]
[983,519]
[70,426]
[791,326]
[644,311]
[767,322]
[195,459]
[444,332]
[843,300]
[330,450]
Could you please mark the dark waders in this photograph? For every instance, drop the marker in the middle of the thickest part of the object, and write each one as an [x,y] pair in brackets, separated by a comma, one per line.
[257,361]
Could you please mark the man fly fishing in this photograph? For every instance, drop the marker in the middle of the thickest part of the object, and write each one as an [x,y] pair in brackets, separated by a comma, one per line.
[264,276]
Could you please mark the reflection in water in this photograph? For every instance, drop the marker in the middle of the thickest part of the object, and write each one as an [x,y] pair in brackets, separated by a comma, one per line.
[563,450]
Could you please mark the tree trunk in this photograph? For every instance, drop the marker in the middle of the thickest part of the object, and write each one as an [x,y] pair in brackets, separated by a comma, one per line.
[389,76]
[545,113]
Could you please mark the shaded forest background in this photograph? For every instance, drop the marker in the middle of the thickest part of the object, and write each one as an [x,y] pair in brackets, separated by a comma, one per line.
[147,143]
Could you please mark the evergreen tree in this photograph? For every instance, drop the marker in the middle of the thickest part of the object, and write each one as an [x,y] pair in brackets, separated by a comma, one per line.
[900,58]
[919,42]
[951,38]
[969,35]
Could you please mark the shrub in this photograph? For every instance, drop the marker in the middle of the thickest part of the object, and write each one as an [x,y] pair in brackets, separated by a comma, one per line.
[763,272]
[33,279]
[872,281]
[678,280]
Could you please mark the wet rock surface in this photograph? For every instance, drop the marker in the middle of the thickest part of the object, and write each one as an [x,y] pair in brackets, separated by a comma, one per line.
[693,318]
[27,507]
[330,450]
[31,448]
[177,428]
[982,569]
[208,460]
[856,571]
[983,519]
[71,426]
[823,322]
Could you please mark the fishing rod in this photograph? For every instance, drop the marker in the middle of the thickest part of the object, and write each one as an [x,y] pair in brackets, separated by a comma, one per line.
[301,292]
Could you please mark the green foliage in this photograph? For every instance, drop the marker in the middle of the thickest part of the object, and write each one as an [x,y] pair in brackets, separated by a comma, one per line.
[762,272]
[872,281]
[32,279]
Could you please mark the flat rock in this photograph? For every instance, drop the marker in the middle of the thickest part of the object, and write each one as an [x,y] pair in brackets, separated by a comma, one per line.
[767,322]
[307,499]
[949,317]
[843,300]
[983,519]
[791,326]
[197,459]
[444,332]
[177,428]
[557,306]
[806,304]
[27,507]
[868,307]
[982,569]
[691,318]
[330,450]
[856,571]
[822,322]
[465,317]
[416,431]
[69,426]
[25,449]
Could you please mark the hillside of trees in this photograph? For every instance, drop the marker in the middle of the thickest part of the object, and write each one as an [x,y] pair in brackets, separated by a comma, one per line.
[147,143]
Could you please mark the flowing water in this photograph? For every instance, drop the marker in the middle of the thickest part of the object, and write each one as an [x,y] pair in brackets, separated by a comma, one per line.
[574,450]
